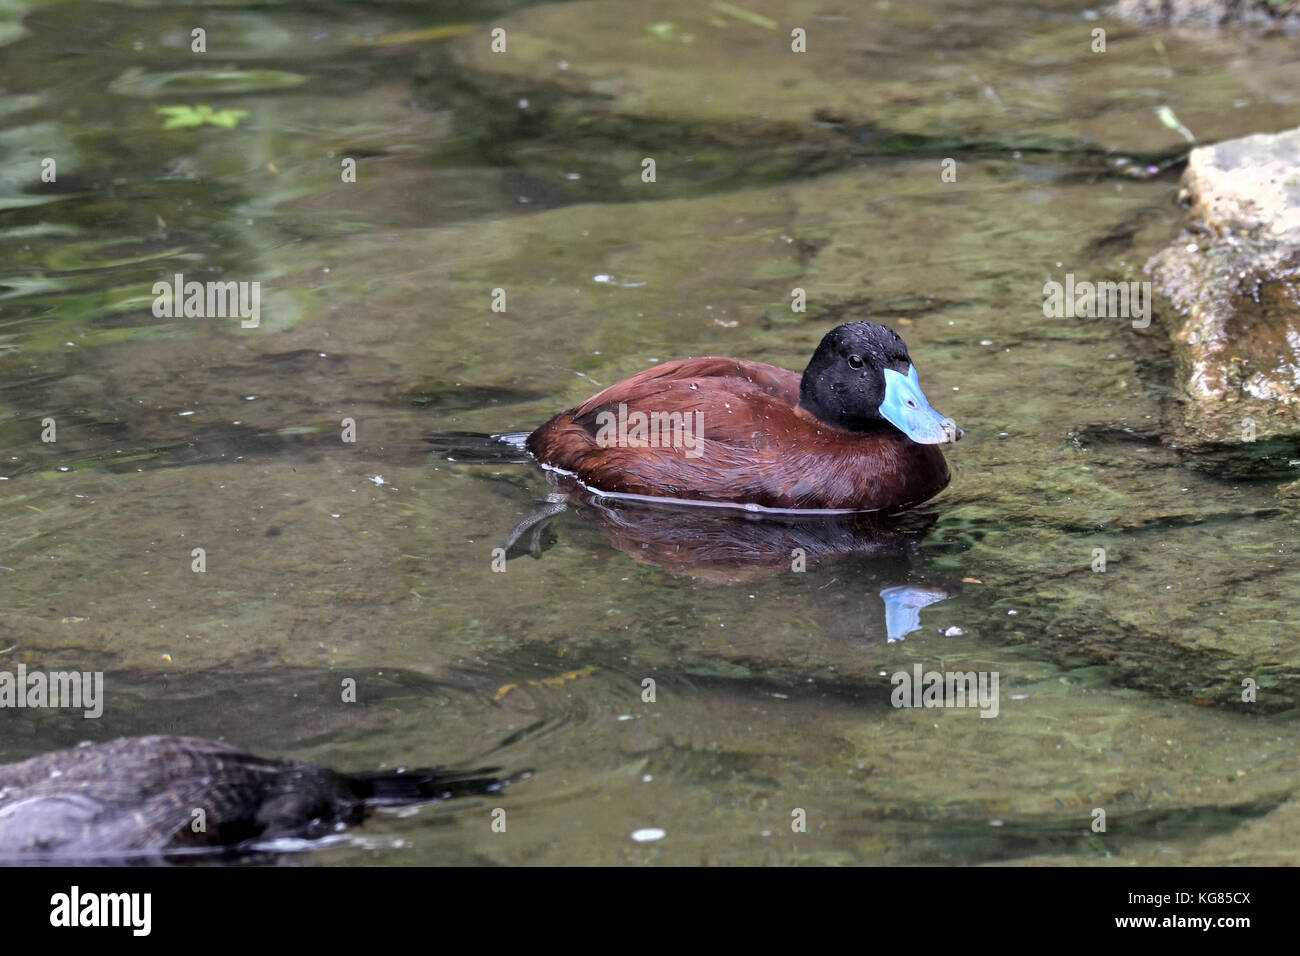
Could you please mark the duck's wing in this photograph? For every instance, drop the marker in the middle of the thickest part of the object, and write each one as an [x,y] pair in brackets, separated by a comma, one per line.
[710,378]
[743,439]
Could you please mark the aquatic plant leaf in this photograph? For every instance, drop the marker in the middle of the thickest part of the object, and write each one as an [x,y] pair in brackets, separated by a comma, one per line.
[420,36]
[749,16]
[182,117]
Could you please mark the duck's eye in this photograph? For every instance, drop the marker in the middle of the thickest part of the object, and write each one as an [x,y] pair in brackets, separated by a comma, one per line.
[855,361]
[911,403]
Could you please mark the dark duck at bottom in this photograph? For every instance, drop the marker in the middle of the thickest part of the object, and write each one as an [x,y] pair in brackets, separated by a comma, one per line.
[853,433]
[138,796]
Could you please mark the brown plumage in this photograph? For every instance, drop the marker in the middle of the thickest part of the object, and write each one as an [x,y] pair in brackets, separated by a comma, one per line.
[760,446]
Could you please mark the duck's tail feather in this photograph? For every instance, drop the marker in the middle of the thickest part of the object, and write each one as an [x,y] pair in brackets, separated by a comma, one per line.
[395,788]
[516,440]
[476,448]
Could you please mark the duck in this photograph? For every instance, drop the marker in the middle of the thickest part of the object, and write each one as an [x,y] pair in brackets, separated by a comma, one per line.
[853,433]
[155,797]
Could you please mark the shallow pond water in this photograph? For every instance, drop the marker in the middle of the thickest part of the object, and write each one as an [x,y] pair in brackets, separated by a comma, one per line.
[373,561]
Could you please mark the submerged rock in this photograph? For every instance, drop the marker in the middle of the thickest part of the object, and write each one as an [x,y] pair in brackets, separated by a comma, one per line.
[1234,278]
[1207,12]
[715,98]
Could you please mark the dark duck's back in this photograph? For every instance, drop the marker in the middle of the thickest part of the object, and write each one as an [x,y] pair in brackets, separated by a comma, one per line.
[143,795]
[854,432]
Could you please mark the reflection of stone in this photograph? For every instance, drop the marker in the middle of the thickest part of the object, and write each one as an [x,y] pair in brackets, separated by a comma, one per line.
[1234,277]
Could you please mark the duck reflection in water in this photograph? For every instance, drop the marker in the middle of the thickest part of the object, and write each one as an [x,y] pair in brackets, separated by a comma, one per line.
[726,546]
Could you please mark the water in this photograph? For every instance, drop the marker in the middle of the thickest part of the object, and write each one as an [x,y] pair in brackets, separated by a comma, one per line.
[372,561]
